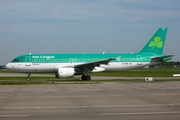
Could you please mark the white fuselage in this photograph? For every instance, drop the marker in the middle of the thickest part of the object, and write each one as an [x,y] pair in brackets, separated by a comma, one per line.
[52,67]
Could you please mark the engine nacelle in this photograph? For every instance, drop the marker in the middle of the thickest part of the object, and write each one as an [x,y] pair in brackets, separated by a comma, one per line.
[65,73]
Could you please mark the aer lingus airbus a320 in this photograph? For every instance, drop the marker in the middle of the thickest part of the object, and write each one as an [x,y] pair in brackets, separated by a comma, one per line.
[69,65]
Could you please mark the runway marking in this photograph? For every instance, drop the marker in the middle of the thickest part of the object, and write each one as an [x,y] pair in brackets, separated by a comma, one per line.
[142,113]
[14,116]
[98,106]
[152,105]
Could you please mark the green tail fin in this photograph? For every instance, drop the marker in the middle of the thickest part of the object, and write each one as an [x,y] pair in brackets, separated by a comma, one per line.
[156,43]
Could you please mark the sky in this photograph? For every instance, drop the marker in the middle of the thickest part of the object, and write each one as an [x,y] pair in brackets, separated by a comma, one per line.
[85,26]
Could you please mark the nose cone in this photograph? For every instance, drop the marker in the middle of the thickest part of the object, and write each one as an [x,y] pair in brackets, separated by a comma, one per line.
[12,67]
[8,66]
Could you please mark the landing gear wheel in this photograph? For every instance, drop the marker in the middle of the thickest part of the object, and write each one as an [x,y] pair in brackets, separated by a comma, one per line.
[83,77]
[86,77]
[28,79]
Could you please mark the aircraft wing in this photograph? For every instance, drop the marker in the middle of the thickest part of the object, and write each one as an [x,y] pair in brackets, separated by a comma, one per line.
[162,58]
[91,65]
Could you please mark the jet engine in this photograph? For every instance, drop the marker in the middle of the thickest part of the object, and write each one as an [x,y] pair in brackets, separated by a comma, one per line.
[65,73]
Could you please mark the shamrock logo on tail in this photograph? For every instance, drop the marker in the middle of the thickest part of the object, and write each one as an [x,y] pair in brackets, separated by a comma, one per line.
[156,43]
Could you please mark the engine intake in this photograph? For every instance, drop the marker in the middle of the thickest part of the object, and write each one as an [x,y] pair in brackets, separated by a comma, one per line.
[65,73]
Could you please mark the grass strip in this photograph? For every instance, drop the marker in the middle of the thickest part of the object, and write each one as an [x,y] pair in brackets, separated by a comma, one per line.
[43,82]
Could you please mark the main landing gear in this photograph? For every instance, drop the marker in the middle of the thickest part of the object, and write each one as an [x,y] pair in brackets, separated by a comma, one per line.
[87,77]
[84,77]
[28,78]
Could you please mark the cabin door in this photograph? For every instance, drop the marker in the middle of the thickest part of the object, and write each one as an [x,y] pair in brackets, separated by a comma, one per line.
[139,60]
[28,61]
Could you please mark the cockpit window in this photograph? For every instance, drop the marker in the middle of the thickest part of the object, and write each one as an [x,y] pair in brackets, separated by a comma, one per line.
[15,60]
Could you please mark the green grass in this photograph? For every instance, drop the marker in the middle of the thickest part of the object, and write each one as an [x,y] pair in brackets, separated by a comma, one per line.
[46,82]
[152,72]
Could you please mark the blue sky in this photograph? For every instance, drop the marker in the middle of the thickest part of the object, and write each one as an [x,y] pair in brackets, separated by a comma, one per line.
[85,26]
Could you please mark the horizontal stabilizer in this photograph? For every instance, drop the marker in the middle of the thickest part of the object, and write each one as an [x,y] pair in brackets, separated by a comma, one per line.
[162,58]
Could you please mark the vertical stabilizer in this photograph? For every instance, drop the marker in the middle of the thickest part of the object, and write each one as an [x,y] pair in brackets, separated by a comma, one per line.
[156,43]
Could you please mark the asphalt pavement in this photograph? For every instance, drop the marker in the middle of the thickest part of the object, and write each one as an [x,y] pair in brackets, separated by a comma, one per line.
[105,101]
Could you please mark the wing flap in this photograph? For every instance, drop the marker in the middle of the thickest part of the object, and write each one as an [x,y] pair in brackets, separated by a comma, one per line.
[91,65]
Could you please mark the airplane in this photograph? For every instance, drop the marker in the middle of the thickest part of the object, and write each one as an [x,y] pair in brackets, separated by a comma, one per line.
[69,65]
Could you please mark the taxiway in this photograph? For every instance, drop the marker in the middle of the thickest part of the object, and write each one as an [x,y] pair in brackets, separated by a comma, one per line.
[105,101]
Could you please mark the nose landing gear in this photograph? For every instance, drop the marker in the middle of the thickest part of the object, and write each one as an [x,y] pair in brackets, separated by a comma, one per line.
[28,78]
